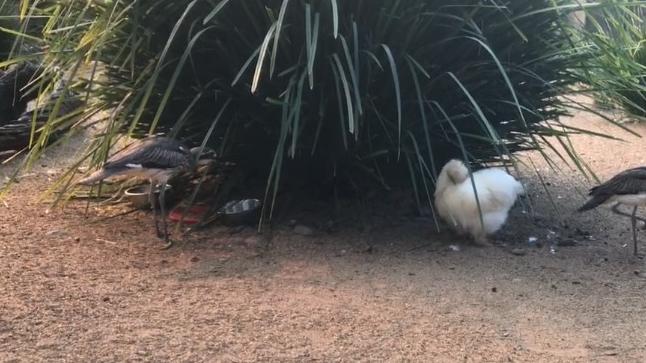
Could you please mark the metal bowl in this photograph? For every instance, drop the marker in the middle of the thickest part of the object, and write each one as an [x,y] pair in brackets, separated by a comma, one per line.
[240,211]
[139,197]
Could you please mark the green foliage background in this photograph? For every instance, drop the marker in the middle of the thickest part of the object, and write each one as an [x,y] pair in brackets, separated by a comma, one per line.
[366,93]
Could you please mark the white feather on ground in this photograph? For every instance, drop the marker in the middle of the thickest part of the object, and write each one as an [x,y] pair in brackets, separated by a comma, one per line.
[455,199]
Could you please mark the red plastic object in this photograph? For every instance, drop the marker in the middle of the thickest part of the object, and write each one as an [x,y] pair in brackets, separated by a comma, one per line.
[193,216]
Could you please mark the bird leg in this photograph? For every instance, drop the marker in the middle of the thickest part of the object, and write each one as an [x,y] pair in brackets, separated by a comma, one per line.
[633,221]
[616,210]
[153,205]
[162,206]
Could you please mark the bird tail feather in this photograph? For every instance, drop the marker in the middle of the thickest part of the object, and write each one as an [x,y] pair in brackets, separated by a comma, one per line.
[594,202]
[94,177]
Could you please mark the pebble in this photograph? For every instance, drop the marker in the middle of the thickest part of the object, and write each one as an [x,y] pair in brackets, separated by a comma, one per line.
[252,241]
[303,230]
[56,232]
[369,249]
[237,229]
[518,252]
[566,242]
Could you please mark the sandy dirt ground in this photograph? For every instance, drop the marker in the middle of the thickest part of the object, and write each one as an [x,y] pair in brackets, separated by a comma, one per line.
[75,288]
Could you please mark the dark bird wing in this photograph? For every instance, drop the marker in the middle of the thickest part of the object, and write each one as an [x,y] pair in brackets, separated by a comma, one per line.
[152,153]
[631,181]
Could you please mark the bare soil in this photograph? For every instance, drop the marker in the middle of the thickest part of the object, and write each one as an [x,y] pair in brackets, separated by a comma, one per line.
[76,288]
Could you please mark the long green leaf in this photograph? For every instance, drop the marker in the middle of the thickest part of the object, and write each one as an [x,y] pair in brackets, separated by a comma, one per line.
[279,28]
[261,57]
[398,97]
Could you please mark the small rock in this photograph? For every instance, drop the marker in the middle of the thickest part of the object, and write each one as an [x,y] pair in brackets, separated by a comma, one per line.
[195,259]
[252,241]
[518,252]
[566,242]
[106,299]
[576,282]
[237,229]
[77,239]
[55,232]
[581,232]
[494,289]
[303,230]
[454,248]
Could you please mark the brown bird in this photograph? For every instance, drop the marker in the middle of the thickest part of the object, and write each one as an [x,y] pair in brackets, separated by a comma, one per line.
[155,158]
[627,188]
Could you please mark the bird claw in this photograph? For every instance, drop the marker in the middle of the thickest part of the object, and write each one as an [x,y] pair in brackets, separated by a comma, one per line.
[167,244]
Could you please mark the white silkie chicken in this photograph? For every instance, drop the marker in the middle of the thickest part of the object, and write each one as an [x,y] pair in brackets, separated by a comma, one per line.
[455,199]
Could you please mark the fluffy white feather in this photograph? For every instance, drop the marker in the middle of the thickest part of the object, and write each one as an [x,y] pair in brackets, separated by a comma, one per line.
[455,199]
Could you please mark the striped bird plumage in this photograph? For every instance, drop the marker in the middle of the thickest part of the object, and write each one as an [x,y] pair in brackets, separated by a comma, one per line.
[626,188]
[153,152]
[155,158]
[145,158]
[627,183]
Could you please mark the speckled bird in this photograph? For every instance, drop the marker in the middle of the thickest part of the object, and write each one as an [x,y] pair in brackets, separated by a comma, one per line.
[627,188]
[155,158]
